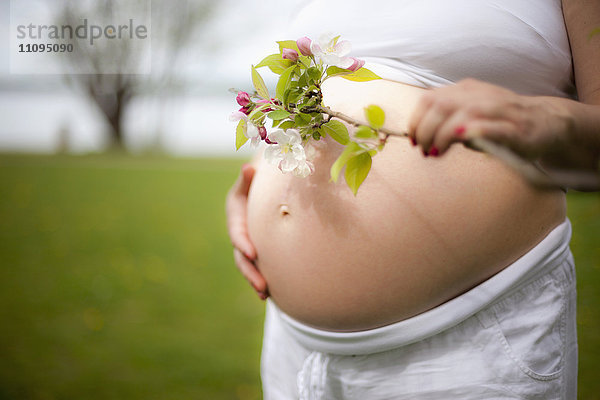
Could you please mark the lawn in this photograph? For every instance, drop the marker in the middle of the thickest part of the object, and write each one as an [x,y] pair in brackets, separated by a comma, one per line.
[117,281]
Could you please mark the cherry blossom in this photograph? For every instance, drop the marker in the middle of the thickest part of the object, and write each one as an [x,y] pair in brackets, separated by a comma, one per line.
[288,153]
[243,99]
[331,51]
[252,132]
[290,54]
[304,46]
[356,64]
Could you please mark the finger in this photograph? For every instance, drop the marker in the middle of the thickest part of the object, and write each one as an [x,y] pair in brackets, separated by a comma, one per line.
[236,207]
[237,225]
[246,176]
[250,272]
[450,131]
[425,133]
[499,131]
[421,108]
[241,240]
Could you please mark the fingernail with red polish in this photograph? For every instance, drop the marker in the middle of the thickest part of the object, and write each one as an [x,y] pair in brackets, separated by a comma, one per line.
[460,131]
[425,153]
[413,141]
[433,151]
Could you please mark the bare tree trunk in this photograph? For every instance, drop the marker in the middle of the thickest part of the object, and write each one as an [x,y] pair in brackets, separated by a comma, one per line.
[173,26]
[116,118]
[113,103]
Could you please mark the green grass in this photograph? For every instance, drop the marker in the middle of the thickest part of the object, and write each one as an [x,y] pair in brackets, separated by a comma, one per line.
[584,213]
[117,281]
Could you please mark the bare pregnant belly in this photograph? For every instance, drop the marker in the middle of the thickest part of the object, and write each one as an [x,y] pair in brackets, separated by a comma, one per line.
[420,231]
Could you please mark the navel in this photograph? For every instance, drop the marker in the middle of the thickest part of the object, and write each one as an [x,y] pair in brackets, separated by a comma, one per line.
[284,210]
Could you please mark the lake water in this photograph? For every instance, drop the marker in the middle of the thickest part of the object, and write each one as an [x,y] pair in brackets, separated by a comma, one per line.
[186,125]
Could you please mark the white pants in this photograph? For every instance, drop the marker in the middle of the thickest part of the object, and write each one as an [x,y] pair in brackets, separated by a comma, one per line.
[512,337]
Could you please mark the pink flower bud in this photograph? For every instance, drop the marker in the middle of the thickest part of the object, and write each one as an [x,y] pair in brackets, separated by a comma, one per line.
[356,64]
[262,131]
[290,54]
[265,101]
[243,99]
[245,110]
[304,46]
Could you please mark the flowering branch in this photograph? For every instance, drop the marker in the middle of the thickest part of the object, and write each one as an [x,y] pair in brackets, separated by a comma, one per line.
[298,113]
[299,117]
[357,123]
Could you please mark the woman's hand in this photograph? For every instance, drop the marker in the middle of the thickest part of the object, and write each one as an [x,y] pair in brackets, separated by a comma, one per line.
[562,134]
[244,252]
[530,126]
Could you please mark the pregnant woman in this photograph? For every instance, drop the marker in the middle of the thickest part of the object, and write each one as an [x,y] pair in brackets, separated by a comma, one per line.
[446,277]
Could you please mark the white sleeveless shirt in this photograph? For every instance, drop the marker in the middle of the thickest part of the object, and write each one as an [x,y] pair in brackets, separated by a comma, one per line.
[518,44]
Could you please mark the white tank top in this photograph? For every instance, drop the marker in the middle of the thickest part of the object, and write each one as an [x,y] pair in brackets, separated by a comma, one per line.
[518,44]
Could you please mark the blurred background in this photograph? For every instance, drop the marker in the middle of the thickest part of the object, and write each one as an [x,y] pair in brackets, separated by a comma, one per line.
[116,273]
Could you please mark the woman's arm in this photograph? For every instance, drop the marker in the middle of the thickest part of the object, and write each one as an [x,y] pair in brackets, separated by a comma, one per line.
[562,132]
[582,17]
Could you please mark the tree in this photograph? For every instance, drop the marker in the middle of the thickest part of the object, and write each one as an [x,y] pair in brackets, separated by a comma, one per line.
[106,70]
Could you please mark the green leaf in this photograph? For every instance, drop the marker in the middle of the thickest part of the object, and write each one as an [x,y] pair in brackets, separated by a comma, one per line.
[304,60]
[240,137]
[364,132]
[288,44]
[302,119]
[375,116]
[278,114]
[341,161]
[278,69]
[333,71]
[286,125]
[275,63]
[259,84]
[357,169]
[314,74]
[257,115]
[293,96]
[271,59]
[337,131]
[284,82]
[362,75]
[302,81]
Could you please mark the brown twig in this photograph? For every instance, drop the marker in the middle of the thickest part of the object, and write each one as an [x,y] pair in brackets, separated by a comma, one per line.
[356,122]
[543,178]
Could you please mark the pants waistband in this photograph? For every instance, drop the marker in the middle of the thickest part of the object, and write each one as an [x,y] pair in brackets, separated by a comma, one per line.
[551,252]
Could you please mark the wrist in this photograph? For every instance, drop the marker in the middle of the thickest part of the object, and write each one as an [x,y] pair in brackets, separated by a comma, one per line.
[575,133]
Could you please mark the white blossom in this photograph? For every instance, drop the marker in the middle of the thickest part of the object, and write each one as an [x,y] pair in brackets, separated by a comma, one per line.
[288,153]
[236,116]
[331,53]
[253,134]
[250,131]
